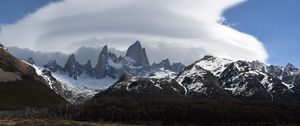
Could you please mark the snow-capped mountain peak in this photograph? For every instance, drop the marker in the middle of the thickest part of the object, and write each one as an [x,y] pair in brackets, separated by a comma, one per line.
[214,64]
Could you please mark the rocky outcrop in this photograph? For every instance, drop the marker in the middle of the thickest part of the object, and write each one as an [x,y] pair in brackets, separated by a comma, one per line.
[53,66]
[291,75]
[73,68]
[87,68]
[175,67]
[138,54]
[163,64]
[100,69]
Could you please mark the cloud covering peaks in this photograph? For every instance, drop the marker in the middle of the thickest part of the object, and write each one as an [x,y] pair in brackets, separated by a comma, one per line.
[182,30]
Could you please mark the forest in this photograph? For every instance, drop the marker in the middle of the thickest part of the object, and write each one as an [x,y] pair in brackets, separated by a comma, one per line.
[162,111]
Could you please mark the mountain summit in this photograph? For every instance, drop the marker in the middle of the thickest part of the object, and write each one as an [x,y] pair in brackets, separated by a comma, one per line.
[138,54]
[100,69]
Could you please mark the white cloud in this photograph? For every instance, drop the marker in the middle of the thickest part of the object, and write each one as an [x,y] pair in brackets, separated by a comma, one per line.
[187,28]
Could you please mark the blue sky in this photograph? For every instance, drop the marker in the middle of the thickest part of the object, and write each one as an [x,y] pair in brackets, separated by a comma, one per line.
[273,22]
[13,10]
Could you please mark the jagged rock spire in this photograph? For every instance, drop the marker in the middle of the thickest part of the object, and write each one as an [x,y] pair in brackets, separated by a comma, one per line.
[70,62]
[166,62]
[100,69]
[138,54]
[88,67]
[73,67]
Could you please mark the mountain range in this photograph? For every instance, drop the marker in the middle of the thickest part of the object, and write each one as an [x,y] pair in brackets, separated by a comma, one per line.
[219,79]
[132,75]
[78,82]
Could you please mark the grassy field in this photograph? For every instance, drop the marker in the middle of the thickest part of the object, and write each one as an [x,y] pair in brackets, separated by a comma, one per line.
[52,122]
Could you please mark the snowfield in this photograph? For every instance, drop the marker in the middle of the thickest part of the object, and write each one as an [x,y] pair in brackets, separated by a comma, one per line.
[84,86]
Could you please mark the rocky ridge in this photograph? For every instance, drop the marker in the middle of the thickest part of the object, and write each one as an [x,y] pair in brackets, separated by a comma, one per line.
[218,78]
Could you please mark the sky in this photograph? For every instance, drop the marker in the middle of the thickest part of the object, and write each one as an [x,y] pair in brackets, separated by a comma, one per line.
[273,22]
[183,31]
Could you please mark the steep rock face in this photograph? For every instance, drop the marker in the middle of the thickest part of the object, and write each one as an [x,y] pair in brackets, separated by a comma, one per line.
[53,66]
[244,79]
[100,69]
[245,82]
[73,68]
[138,54]
[275,71]
[163,64]
[177,67]
[87,68]
[291,78]
[238,80]
[201,83]
[114,67]
[291,75]
[260,66]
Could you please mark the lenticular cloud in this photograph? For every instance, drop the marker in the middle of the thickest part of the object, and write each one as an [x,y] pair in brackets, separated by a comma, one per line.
[181,30]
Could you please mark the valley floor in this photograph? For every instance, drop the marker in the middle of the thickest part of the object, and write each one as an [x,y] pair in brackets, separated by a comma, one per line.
[52,122]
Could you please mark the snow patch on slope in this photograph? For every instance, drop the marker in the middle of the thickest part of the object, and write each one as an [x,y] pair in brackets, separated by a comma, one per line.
[84,86]
[163,73]
[84,83]
[214,65]
[194,72]
[197,87]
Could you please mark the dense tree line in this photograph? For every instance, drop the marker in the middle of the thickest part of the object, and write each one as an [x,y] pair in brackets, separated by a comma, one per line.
[182,111]
[145,110]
